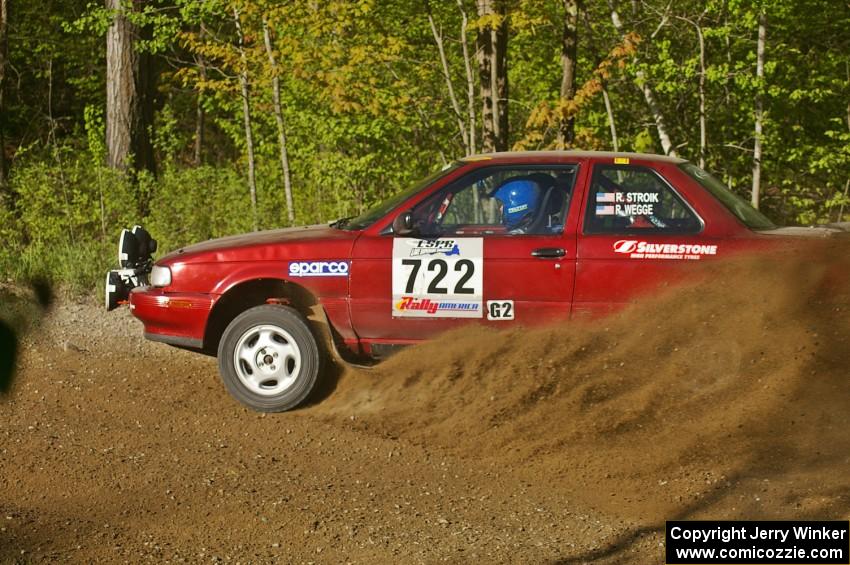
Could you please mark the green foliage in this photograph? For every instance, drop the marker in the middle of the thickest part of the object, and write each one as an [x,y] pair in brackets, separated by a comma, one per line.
[95,131]
[77,268]
[61,202]
[176,217]
[366,108]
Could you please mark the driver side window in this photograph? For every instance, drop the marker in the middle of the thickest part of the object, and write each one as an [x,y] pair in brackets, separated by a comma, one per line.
[503,200]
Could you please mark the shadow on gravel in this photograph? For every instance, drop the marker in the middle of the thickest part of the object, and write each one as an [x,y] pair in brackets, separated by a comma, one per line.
[9,341]
[616,550]
[8,356]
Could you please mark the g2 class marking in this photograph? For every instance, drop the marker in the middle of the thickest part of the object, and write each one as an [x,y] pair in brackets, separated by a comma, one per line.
[500,309]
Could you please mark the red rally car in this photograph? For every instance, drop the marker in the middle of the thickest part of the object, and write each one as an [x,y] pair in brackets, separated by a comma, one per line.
[497,239]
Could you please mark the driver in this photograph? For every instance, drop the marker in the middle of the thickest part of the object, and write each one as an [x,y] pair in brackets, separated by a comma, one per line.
[520,199]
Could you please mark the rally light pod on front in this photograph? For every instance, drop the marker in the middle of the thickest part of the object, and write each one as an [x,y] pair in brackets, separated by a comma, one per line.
[146,244]
[117,290]
[128,250]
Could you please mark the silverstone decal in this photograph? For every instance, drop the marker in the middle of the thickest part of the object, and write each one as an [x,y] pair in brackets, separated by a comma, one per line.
[626,203]
[637,249]
[500,309]
[318,269]
[438,278]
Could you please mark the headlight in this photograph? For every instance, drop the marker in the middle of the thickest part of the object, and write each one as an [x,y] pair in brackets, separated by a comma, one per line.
[160,276]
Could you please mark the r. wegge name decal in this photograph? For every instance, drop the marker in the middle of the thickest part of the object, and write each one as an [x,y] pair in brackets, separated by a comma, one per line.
[318,269]
[637,249]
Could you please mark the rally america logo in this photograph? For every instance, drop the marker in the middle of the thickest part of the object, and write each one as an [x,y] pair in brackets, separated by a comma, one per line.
[432,306]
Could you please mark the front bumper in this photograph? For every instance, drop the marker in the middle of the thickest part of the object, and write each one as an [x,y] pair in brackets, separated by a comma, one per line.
[172,317]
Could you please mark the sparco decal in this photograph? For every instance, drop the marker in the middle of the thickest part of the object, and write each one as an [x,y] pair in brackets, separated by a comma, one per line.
[318,269]
[645,250]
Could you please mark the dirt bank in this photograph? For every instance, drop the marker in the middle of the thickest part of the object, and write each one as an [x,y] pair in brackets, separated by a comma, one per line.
[569,444]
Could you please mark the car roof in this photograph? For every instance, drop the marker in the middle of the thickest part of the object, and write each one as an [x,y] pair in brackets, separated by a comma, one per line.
[519,155]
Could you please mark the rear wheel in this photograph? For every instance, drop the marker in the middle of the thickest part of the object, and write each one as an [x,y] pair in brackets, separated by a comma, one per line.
[269,359]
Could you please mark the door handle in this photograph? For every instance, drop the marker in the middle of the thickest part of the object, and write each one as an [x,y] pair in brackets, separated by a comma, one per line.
[549,252]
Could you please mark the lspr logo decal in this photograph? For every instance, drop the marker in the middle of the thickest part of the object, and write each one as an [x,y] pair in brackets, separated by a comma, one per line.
[447,247]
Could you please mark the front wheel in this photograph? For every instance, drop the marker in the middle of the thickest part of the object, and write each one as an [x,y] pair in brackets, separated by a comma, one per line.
[269,359]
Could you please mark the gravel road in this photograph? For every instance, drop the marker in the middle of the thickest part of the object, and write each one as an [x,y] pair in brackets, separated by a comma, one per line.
[567,444]
[115,449]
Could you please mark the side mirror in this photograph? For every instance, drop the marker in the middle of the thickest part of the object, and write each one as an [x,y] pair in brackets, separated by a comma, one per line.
[403,223]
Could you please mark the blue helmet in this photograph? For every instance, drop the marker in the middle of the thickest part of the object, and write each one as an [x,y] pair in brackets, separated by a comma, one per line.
[519,199]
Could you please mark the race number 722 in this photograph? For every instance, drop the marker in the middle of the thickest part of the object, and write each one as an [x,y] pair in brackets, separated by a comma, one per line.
[436,270]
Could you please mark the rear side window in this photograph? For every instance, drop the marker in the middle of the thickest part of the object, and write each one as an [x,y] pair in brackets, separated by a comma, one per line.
[742,209]
[628,199]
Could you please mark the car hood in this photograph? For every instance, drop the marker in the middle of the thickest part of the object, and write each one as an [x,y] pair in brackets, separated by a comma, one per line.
[238,247]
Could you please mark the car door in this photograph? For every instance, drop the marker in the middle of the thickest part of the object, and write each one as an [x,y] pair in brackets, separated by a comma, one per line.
[639,233]
[467,265]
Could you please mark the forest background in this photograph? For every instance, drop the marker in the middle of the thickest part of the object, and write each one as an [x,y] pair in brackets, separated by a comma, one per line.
[206,118]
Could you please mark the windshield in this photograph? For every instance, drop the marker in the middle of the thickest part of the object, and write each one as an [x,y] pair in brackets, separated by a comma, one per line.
[375,213]
[748,215]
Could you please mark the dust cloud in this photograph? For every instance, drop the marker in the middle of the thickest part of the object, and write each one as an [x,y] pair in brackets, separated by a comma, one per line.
[727,398]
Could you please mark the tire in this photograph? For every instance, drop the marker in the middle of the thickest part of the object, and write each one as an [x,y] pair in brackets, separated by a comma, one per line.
[269,359]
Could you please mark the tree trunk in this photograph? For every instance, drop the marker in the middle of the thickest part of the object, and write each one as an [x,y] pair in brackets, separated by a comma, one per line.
[847,183]
[569,48]
[281,130]
[470,79]
[493,74]
[129,94]
[648,94]
[438,39]
[843,201]
[703,142]
[500,76]
[485,79]
[703,135]
[4,169]
[200,125]
[756,193]
[246,115]
[200,113]
[610,111]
